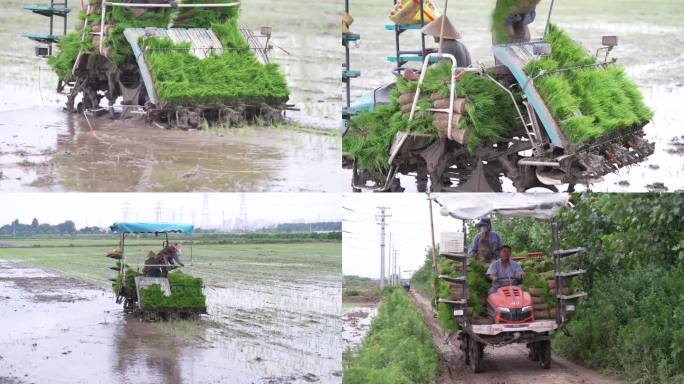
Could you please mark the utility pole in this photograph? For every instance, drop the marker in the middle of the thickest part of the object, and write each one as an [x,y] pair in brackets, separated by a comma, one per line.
[389,254]
[395,270]
[158,211]
[381,219]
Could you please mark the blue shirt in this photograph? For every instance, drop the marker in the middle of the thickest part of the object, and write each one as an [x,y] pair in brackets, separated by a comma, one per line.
[497,269]
[495,243]
[524,18]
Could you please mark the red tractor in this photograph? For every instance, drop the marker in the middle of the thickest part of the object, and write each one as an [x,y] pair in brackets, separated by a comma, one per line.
[510,305]
[510,311]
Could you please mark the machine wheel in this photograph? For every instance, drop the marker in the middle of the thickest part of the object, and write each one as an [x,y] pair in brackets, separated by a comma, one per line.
[544,353]
[465,347]
[532,354]
[476,350]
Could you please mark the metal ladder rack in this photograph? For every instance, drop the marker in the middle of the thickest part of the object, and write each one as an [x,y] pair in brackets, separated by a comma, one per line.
[347,72]
[55,9]
[561,277]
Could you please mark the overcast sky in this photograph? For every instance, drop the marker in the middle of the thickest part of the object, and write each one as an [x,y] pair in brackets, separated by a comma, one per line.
[103,209]
[409,225]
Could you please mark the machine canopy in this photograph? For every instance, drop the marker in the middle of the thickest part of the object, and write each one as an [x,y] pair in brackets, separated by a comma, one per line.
[467,206]
[151,228]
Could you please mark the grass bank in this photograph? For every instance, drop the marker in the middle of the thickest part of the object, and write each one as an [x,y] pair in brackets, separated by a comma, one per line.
[398,348]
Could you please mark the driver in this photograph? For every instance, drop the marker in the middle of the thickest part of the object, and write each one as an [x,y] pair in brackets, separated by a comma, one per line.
[504,271]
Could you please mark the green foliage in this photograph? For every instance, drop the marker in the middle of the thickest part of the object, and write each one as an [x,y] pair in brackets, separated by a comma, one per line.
[423,279]
[588,102]
[69,47]
[505,8]
[632,321]
[490,113]
[129,284]
[186,293]
[398,348]
[229,77]
[632,324]
[353,281]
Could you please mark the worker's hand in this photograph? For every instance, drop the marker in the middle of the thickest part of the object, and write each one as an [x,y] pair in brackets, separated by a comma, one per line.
[522,275]
[492,278]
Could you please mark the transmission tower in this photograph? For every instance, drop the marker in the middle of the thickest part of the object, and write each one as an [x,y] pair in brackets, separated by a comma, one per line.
[205,211]
[242,224]
[126,210]
[158,211]
[381,219]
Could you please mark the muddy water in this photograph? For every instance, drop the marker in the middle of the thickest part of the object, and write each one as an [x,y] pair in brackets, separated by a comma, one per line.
[650,37]
[356,322]
[60,330]
[45,149]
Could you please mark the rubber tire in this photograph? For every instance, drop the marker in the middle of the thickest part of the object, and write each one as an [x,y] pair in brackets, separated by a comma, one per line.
[544,353]
[466,348]
[476,351]
[533,354]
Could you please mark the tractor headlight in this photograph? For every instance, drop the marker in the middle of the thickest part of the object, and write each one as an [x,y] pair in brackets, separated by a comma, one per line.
[503,309]
[526,309]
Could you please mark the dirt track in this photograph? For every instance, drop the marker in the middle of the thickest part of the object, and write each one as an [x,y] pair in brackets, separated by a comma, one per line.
[504,365]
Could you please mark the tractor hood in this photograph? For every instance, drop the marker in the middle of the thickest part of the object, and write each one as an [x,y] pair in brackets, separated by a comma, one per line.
[511,297]
[467,206]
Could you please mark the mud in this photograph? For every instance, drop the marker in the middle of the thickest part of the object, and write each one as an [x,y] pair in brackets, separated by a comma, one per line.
[42,148]
[356,322]
[505,365]
[48,150]
[649,34]
[245,338]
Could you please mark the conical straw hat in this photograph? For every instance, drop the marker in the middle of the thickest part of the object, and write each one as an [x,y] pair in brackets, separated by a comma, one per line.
[435,26]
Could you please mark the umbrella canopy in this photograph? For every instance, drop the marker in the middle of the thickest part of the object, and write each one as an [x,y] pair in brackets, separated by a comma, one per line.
[467,206]
[151,228]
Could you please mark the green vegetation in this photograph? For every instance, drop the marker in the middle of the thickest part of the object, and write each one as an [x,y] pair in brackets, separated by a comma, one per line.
[214,263]
[489,114]
[424,277]
[234,76]
[69,47]
[631,322]
[231,76]
[398,349]
[588,102]
[186,293]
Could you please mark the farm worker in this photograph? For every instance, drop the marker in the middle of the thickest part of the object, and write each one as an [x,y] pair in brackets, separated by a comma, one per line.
[486,243]
[176,255]
[152,268]
[517,24]
[502,271]
[449,40]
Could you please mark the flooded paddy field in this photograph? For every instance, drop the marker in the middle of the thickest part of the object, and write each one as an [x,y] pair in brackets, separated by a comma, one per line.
[273,317]
[650,38]
[43,148]
[356,323]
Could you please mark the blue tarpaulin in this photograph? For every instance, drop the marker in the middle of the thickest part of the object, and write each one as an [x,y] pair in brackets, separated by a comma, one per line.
[150,228]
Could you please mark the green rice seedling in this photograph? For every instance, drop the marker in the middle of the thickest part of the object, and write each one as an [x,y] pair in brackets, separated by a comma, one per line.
[186,293]
[69,47]
[587,101]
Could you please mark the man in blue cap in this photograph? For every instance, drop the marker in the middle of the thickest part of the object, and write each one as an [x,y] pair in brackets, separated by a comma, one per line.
[486,243]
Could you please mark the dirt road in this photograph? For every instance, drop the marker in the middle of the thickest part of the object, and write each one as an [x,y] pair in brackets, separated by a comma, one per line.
[504,365]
